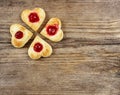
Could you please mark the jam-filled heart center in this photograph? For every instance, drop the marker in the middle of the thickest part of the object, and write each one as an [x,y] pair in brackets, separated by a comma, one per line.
[19,34]
[33,17]
[38,47]
[52,30]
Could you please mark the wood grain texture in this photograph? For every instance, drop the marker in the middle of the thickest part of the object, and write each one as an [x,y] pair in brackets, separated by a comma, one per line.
[85,62]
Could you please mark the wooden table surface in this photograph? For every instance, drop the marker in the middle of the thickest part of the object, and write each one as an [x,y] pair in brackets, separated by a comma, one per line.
[85,62]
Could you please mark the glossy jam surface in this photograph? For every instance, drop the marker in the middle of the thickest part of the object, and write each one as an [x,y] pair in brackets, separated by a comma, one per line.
[19,34]
[33,17]
[38,47]
[52,30]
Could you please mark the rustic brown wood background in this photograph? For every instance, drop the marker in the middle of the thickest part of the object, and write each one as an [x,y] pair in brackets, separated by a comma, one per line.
[85,62]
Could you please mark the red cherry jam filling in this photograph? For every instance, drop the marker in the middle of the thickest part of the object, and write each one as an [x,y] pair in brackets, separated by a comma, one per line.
[38,47]
[19,34]
[33,17]
[52,29]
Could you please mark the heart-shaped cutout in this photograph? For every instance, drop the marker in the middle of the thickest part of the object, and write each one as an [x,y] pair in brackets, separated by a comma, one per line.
[39,48]
[53,30]
[33,18]
[20,35]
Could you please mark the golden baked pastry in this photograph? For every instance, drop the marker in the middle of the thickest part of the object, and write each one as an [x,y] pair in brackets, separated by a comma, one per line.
[33,18]
[39,48]
[53,30]
[20,35]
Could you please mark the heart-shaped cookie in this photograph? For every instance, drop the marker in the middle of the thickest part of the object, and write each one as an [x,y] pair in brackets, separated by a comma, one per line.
[39,48]
[20,35]
[33,18]
[53,30]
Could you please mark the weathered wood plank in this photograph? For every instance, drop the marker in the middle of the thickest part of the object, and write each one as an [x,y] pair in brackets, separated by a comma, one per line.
[85,62]
[57,79]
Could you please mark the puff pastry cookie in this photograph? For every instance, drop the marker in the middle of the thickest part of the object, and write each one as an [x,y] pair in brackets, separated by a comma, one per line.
[39,48]
[20,35]
[53,30]
[33,18]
